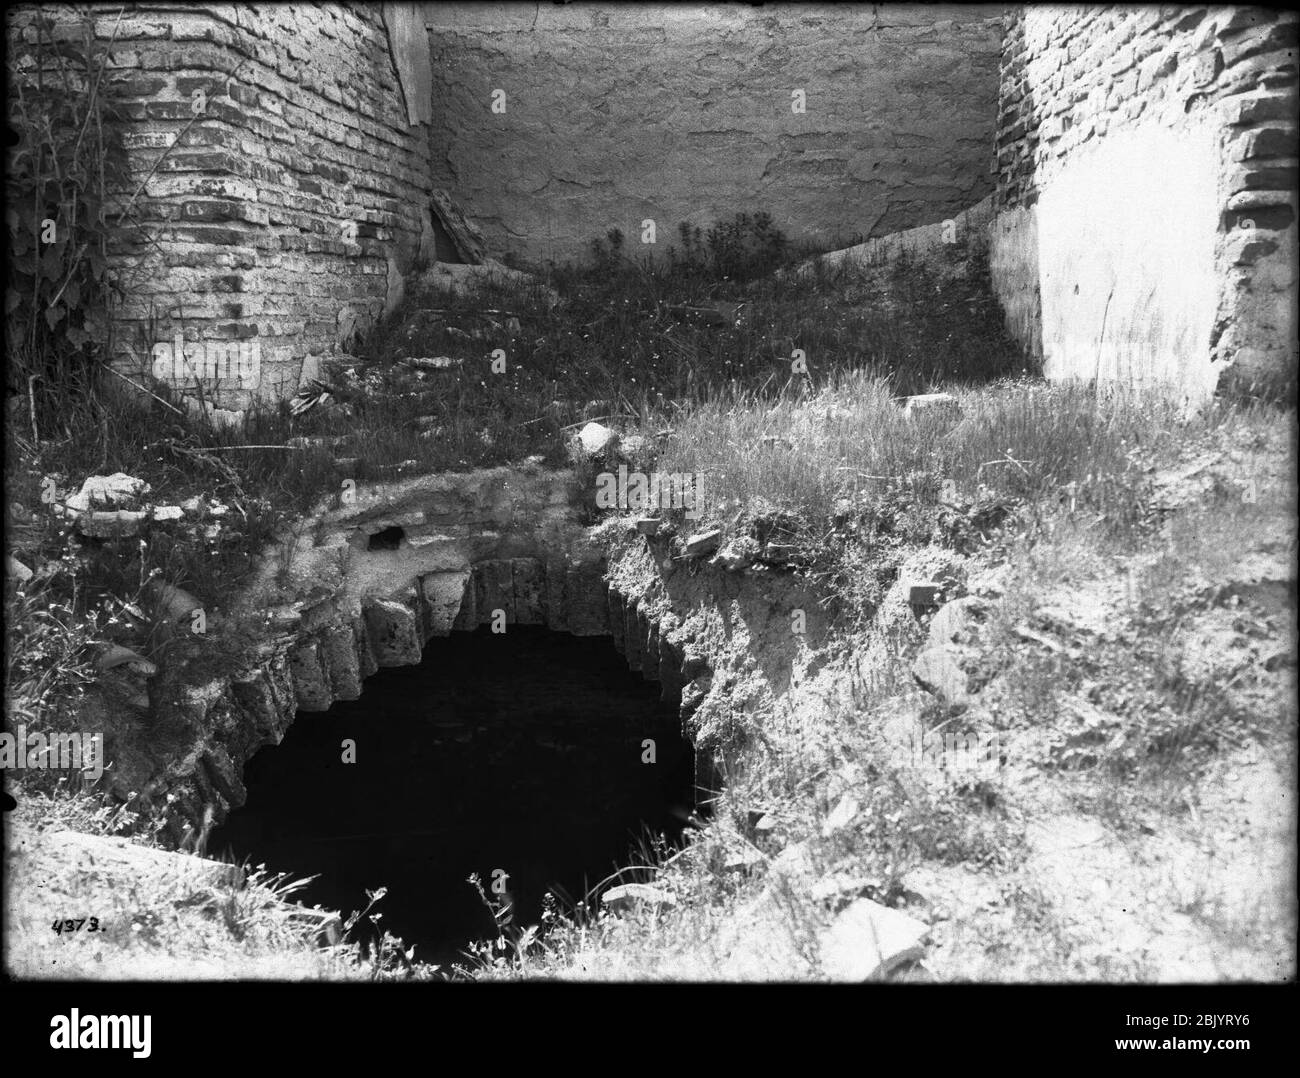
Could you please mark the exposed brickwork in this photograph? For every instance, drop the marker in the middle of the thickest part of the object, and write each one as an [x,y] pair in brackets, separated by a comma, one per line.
[1074,78]
[273,216]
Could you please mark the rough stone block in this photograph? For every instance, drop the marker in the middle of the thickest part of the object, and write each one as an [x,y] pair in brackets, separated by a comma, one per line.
[100,853]
[529,590]
[585,602]
[339,651]
[365,653]
[633,895]
[937,671]
[702,543]
[224,776]
[557,615]
[494,590]
[614,602]
[467,617]
[867,941]
[393,631]
[633,638]
[311,686]
[266,720]
[444,594]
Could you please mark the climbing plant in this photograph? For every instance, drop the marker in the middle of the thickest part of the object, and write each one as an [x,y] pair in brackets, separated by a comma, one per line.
[65,162]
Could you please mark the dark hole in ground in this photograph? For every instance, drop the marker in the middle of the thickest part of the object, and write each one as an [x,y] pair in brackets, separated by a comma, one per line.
[386,539]
[519,751]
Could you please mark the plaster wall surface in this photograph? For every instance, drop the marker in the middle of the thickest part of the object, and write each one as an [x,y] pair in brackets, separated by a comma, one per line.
[1146,193]
[611,115]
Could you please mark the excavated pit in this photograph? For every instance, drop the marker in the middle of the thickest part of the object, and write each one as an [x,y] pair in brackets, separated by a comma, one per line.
[523,753]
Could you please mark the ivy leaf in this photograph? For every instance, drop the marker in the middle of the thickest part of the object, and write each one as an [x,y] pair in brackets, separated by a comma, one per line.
[53,315]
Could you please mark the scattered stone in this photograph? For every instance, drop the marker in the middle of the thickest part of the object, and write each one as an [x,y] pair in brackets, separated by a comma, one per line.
[193,505]
[867,941]
[433,363]
[312,370]
[739,553]
[107,525]
[702,543]
[841,815]
[16,570]
[171,602]
[108,492]
[743,860]
[595,439]
[632,895]
[167,512]
[457,278]
[952,622]
[1026,633]
[794,863]
[102,853]
[780,553]
[225,418]
[117,656]
[172,608]
[632,448]
[937,671]
[932,404]
[284,618]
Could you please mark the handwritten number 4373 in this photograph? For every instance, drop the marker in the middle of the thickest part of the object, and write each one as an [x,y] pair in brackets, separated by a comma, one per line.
[72,926]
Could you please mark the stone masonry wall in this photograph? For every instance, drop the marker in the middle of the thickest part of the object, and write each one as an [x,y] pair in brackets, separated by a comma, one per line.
[1146,192]
[614,114]
[327,609]
[280,216]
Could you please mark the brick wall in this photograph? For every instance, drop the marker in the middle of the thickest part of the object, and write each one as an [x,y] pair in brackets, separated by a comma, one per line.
[618,113]
[1146,191]
[278,219]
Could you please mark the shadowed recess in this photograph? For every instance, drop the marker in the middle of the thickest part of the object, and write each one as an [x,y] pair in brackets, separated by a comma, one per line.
[520,752]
